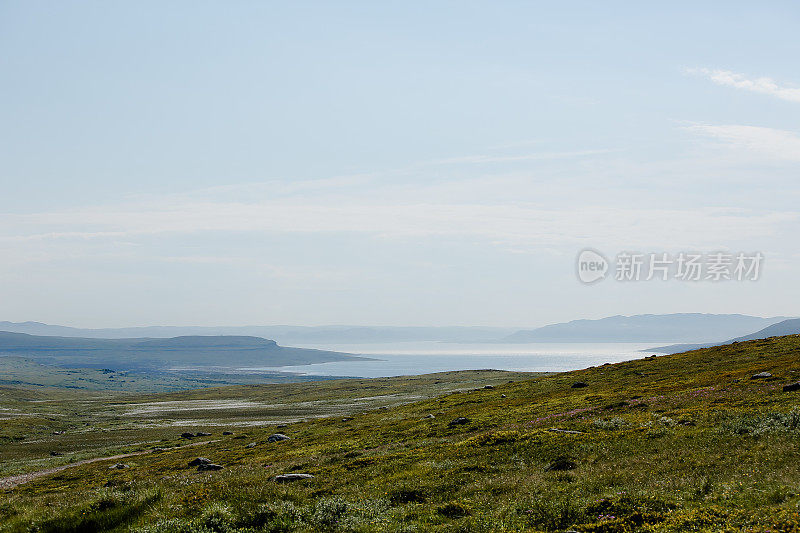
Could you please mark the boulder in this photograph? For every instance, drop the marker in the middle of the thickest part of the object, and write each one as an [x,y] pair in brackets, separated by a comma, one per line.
[761,375]
[579,385]
[561,464]
[187,435]
[791,388]
[199,461]
[277,437]
[251,445]
[118,466]
[429,416]
[209,467]
[460,421]
[202,434]
[288,478]
[227,432]
[488,386]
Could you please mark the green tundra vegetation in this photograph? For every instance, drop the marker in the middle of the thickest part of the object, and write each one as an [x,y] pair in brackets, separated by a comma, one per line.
[707,440]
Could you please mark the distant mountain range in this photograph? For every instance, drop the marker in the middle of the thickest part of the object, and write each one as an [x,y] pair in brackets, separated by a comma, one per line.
[786,327]
[282,334]
[160,354]
[665,328]
[680,327]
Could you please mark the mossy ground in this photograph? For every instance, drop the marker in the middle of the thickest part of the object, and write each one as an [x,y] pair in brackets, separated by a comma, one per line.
[685,442]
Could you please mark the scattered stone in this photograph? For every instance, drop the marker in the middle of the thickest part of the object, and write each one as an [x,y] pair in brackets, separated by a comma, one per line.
[251,445]
[570,431]
[209,467]
[761,375]
[199,461]
[579,385]
[227,432]
[187,435]
[561,464]
[288,478]
[118,466]
[460,421]
[277,437]
[791,388]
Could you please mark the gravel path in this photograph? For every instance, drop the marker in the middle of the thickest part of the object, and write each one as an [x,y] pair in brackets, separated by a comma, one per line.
[12,481]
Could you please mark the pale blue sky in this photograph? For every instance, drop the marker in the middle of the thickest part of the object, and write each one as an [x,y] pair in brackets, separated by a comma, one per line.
[390,163]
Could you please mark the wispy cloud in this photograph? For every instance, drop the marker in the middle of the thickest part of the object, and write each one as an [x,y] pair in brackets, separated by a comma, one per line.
[539,156]
[521,225]
[740,81]
[768,142]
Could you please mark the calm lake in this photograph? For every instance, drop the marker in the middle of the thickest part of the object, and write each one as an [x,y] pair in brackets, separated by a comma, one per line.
[406,358]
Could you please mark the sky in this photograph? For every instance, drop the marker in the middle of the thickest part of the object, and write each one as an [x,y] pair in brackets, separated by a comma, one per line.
[391,163]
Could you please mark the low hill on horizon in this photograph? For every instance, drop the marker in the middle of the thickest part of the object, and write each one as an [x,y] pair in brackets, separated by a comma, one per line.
[160,354]
[786,327]
[676,327]
[281,333]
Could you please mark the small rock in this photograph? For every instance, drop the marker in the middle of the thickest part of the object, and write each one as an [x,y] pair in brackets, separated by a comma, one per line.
[209,467]
[288,478]
[561,464]
[199,461]
[761,375]
[579,385]
[277,437]
[429,416]
[251,445]
[118,466]
[792,387]
[187,435]
[227,432]
[460,421]
[502,395]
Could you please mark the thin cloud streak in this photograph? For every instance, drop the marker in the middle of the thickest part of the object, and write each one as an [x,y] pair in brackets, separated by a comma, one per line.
[769,142]
[762,85]
[518,225]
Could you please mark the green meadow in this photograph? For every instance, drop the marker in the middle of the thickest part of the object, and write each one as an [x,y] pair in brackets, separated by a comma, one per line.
[684,442]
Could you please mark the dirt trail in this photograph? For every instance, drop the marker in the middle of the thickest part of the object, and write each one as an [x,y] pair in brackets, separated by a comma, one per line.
[12,481]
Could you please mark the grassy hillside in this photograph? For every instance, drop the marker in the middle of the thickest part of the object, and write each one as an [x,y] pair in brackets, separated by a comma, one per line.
[684,442]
